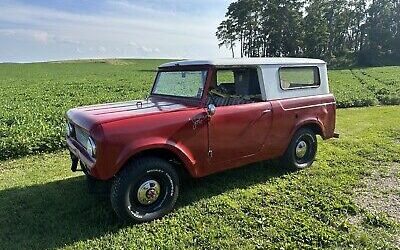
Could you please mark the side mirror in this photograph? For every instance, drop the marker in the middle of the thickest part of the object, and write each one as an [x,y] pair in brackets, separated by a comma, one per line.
[211,110]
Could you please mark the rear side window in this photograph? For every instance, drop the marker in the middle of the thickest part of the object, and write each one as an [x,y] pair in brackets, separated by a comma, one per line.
[299,77]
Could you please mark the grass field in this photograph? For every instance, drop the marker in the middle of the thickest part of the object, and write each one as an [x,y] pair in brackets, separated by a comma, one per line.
[35,97]
[366,87]
[44,205]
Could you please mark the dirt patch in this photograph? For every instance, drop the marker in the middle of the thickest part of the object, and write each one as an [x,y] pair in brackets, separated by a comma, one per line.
[381,191]
[380,194]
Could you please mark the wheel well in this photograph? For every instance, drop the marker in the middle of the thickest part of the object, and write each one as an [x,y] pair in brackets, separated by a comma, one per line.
[166,155]
[314,127]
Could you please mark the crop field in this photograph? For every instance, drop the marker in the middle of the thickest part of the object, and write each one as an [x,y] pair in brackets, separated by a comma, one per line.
[35,97]
[366,87]
[329,205]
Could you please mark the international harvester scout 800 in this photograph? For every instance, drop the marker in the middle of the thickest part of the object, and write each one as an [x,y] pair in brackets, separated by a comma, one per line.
[202,117]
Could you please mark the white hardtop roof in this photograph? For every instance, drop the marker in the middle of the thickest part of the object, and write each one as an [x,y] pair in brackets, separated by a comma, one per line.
[246,61]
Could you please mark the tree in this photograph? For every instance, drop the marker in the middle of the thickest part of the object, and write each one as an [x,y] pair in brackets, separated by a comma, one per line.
[282,22]
[316,34]
[358,17]
[339,31]
[395,29]
[227,35]
[381,33]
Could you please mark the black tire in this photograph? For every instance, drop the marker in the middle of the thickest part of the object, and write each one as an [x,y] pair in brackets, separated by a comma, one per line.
[293,159]
[138,175]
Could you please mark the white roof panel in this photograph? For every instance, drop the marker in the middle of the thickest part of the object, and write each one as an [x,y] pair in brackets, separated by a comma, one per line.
[246,61]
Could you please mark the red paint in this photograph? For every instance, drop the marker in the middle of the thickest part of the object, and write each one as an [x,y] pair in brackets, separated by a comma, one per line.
[237,135]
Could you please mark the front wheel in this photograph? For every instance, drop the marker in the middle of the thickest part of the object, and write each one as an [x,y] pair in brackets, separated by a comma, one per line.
[146,189]
[301,151]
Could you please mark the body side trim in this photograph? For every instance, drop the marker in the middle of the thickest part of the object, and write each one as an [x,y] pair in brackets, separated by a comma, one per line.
[308,106]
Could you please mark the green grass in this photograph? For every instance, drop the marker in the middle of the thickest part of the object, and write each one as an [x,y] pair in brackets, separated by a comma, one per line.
[44,205]
[348,90]
[366,86]
[383,82]
[35,97]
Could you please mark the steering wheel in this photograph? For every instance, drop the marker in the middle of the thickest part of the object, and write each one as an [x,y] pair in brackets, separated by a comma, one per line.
[222,89]
[215,92]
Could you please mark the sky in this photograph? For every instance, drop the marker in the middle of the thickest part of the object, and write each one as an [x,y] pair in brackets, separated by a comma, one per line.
[47,30]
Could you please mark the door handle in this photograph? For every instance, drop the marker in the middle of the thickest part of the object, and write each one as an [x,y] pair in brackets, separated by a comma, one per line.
[267,111]
[199,120]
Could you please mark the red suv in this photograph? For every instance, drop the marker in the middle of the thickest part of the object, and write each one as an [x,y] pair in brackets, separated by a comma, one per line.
[202,117]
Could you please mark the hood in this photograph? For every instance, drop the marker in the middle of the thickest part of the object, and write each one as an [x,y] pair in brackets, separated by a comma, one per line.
[89,116]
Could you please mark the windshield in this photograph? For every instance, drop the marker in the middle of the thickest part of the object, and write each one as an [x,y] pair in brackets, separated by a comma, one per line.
[180,83]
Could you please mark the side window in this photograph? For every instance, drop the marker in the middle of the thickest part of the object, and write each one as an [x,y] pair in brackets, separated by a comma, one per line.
[299,77]
[225,77]
[234,86]
[226,81]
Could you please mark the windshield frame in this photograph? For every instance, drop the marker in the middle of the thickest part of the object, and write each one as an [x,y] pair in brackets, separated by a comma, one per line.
[179,69]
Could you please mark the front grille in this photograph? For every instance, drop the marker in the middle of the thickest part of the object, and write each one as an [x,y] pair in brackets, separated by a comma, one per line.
[81,136]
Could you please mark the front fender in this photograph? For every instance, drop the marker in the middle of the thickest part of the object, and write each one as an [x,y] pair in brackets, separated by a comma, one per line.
[139,146]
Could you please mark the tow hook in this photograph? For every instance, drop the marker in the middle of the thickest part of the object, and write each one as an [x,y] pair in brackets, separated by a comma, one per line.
[74,162]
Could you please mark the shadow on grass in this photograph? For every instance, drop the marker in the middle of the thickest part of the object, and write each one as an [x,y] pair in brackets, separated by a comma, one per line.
[62,212]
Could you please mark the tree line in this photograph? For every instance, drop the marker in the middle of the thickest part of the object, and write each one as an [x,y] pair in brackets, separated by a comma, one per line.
[342,32]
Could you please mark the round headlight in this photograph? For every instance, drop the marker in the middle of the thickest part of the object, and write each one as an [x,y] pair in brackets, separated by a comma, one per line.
[91,147]
[69,129]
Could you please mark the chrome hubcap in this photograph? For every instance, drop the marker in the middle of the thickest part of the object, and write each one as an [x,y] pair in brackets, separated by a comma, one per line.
[148,192]
[301,149]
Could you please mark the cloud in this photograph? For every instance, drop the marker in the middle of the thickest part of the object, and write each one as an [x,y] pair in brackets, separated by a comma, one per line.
[7,32]
[119,20]
[101,49]
[149,50]
[36,35]
[41,36]
[68,40]
[139,29]
[133,44]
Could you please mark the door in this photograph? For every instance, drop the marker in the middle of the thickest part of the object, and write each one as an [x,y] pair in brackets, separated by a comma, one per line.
[238,131]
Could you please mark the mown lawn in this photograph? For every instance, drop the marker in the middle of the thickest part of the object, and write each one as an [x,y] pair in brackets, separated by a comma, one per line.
[35,97]
[44,205]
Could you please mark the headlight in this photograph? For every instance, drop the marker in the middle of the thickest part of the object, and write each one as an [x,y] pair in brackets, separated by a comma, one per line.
[91,147]
[69,129]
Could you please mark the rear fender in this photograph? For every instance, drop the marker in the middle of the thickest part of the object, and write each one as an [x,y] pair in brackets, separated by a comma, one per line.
[310,122]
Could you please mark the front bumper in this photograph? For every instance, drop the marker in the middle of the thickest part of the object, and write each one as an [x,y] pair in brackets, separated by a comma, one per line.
[78,153]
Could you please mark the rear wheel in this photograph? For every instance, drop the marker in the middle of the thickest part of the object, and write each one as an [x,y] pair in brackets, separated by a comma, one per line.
[145,190]
[301,151]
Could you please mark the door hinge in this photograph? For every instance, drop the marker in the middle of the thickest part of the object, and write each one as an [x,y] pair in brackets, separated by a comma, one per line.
[210,153]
